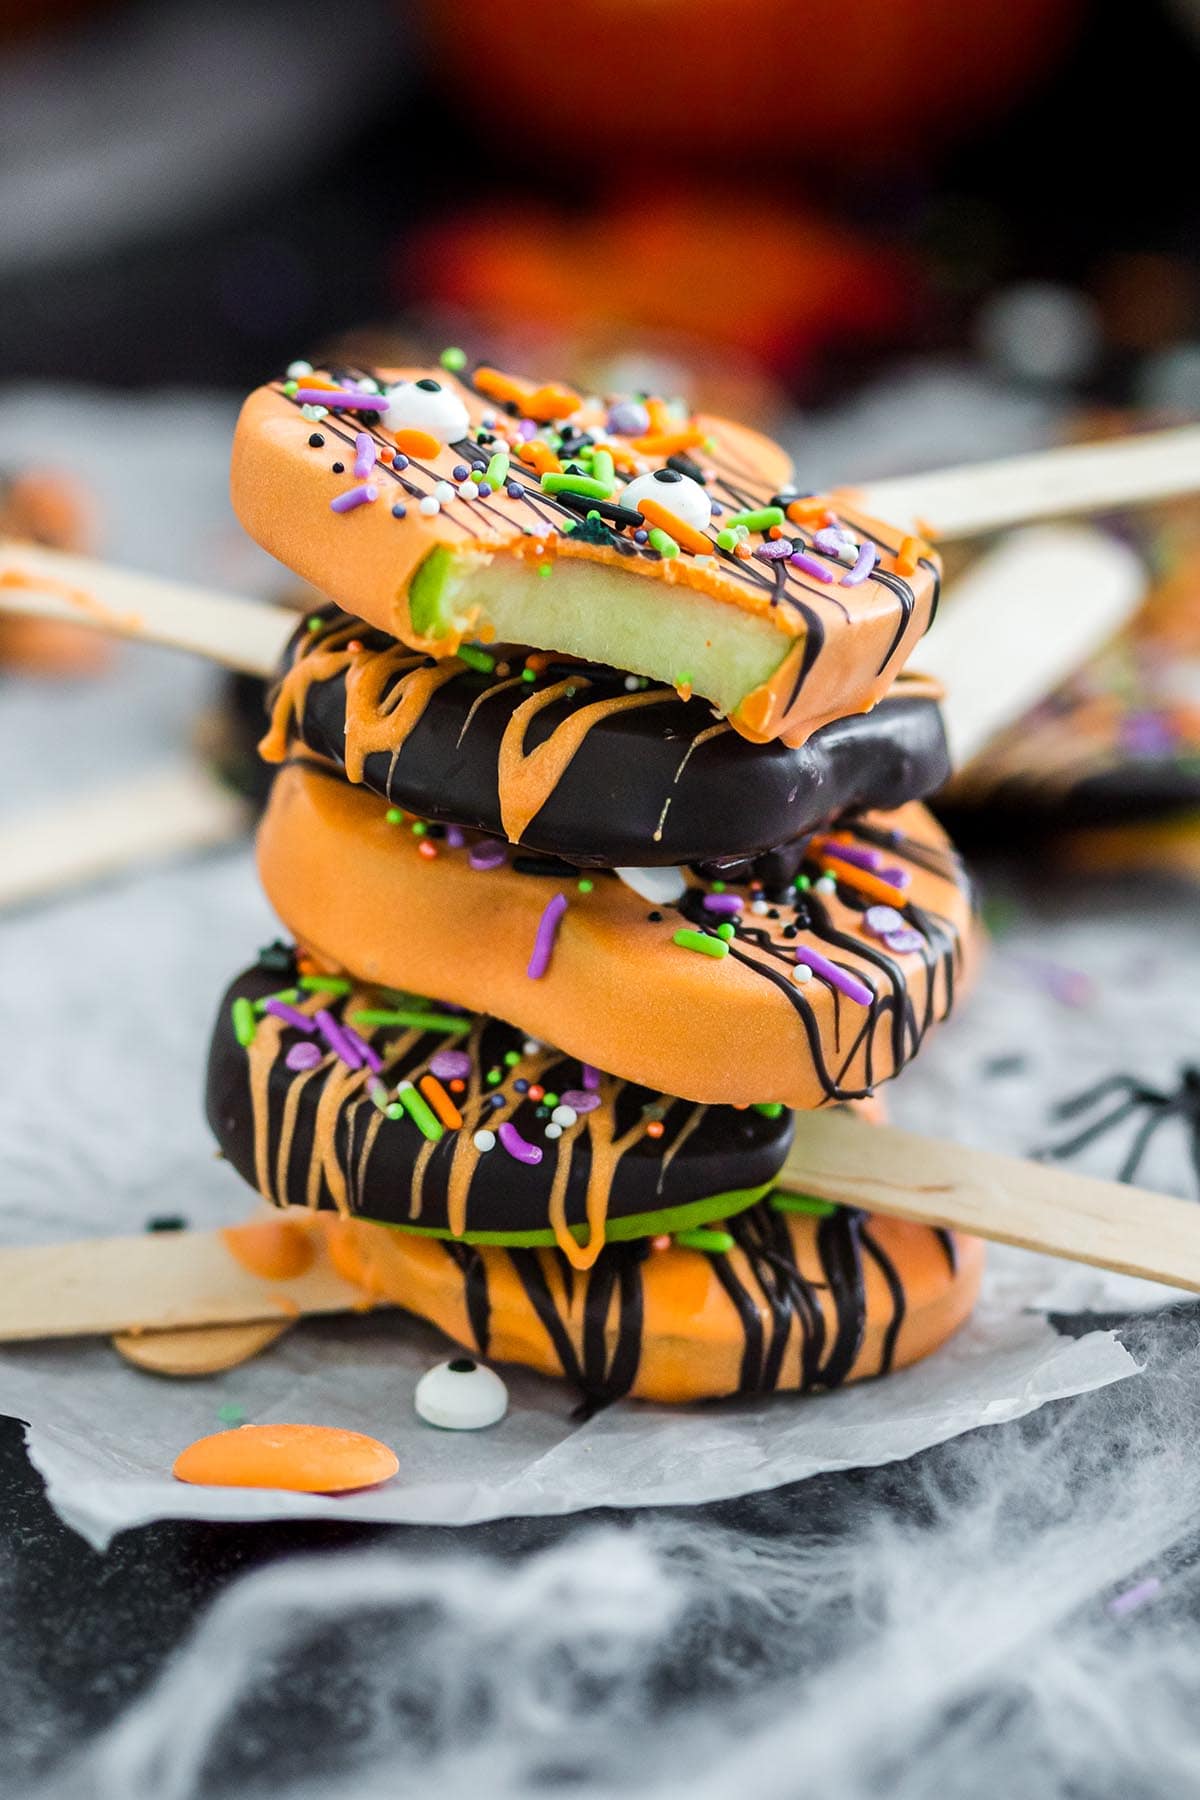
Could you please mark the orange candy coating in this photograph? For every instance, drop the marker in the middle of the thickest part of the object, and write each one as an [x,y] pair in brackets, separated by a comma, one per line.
[301,1459]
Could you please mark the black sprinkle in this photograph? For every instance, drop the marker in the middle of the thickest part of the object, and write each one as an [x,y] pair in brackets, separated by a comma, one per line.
[655,918]
[167,1222]
[315,441]
[339,468]
[399,510]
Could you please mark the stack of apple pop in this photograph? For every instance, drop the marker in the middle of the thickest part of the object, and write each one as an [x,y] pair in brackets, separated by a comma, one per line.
[596,829]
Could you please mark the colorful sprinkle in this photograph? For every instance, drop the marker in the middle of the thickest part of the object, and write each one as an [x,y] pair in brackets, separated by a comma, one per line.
[847,984]
[279,1009]
[420,1113]
[591,1078]
[345,397]
[760,519]
[583,485]
[717,1243]
[354,497]
[700,941]
[453,359]
[244,1026]
[580,1100]
[518,1147]
[484,1141]
[412,1019]
[326,984]
[497,470]
[338,1040]
[450,1065]
[770,1109]
[302,1056]
[364,454]
[802,1203]
[441,1102]
[811,565]
[663,542]
[779,551]
[722,903]
[868,556]
[487,855]
[546,936]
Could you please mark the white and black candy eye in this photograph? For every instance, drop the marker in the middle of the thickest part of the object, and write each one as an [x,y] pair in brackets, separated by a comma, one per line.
[461,1395]
[427,406]
[678,493]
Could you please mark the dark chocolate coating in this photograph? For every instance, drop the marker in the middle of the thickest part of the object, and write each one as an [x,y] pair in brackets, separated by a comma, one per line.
[635,792]
[721,1150]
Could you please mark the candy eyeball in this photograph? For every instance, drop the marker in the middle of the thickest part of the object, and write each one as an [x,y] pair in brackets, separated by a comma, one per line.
[679,494]
[461,1395]
[427,406]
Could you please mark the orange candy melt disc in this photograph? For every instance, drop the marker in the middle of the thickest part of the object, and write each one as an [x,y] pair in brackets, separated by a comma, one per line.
[303,1459]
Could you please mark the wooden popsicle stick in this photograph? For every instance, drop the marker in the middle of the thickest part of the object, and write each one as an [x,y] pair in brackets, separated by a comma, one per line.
[1078,478]
[1009,1200]
[158,1281]
[242,634]
[92,835]
[199,1349]
[1022,619]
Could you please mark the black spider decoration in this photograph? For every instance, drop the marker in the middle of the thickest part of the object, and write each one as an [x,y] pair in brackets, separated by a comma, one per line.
[1183,1104]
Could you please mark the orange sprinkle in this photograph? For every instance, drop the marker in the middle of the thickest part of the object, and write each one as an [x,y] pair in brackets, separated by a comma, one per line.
[458,1085]
[551,402]
[864,881]
[301,1459]
[804,512]
[319,381]
[417,443]
[354,646]
[385,453]
[537,660]
[498,386]
[744,550]
[440,1101]
[536,1091]
[685,535]
[655,1128]
[684,689]
[427,849]
[668,443]
[541,457]
[659,416]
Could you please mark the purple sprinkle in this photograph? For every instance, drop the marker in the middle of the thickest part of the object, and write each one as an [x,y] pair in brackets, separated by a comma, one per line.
[454,837]
[547,933]
[830,539]
[364,454]
[302,1056]
[879,920]
[722,903]
[811,565]
[628,418]
[527,429]
[778,550]
[399,510]
[591,1078]
[1133,1598]
[641,535]
[488,854]
[336,1038]
[484,489]
[367,1052]
[580,1100]
[399,461]
[299,1021]
[517,1146]
[1146,734]
[350,397]
[460,471]
[359,496]
[896,877]
[858,854]
[515,491]
[904,942]
[450,1065]
[867,557]
[850,985]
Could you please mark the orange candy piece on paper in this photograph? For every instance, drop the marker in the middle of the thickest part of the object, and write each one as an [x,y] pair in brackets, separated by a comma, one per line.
[302,1459]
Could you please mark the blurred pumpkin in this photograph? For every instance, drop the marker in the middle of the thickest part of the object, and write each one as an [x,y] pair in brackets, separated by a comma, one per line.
[861,82]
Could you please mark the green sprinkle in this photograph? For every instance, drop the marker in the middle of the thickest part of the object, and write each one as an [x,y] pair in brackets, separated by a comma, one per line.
[719,1242]
[394,816]
[585,485]
[420,1112]
[315,624]
[497,470]
[511,1058]
[684,680]
[585,886]
[550,1101]
[726,539]
[545,570]
[419,828]
[493,1078]
[244,1025]
[476,659]
[664,543]
[453,358]
[770,1109]
[802,883]
[802,1203]
[412,1018]
[395,1110]
[718,887]
[528,674]
[326,984]
[725,930]
[761,519]
[230,1414]
[378,1093]
[602,468]
[291,389]
[699,940]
